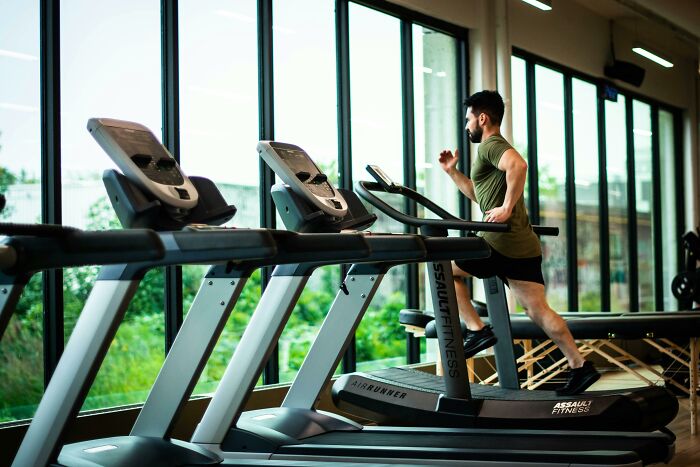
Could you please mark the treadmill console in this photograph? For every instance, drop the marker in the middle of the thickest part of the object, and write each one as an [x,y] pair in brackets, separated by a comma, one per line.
[294,166]
[143,159]
[383,179]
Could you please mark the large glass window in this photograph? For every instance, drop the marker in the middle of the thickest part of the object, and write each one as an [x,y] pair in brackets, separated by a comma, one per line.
[668,209]
[218,135]
[305,115]
[551,169]
[616,151]
[110,67]
[375,92]
[644,203]
[519,110]
[21,349]
[586,176]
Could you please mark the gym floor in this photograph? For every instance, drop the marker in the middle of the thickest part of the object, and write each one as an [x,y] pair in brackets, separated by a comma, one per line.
[687,445]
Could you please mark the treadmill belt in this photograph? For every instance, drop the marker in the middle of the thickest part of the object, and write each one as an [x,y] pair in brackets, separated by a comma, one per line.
[422,381]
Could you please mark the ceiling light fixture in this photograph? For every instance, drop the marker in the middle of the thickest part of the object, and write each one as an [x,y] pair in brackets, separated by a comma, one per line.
[544,5]
[653,56]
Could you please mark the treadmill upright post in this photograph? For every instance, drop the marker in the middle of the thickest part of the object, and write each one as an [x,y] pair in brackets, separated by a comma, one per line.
[253,350]
[497,306]
[190,352]
[85,351]
[335,334]
[449,331]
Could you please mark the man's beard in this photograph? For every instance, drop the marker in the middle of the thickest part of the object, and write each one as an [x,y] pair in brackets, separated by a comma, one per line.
[477,135]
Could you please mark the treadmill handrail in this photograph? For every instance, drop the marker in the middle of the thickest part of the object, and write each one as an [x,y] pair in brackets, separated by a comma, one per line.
[448,221]
[56,246]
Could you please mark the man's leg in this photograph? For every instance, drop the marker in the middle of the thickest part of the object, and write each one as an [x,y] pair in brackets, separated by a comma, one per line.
[479,337]
[464,303]
[531,295]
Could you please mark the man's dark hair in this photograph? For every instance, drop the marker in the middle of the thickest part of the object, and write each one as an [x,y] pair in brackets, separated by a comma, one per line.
[488,102]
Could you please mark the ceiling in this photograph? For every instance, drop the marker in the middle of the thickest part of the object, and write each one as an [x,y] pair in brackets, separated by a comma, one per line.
[677,18]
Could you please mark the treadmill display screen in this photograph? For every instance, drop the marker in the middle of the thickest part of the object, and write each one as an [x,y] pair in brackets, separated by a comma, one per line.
[148,155]
[307,172]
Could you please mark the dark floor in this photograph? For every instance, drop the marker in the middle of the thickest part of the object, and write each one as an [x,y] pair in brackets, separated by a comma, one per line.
[687,446]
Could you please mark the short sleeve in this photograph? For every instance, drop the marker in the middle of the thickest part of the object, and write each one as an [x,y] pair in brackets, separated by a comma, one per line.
[496,149]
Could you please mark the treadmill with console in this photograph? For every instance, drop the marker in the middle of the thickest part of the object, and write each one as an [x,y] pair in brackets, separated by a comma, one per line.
[296,431]
[153,192]
[503,406]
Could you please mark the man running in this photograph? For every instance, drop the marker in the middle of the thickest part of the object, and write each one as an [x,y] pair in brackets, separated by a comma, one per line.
[497,182]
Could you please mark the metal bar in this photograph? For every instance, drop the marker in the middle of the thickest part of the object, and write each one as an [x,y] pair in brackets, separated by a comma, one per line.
[571,240]
[464,146]
[657,227]
[633,282]
[497,306]
[336,332]
[342,57]
[267,132]
[171,139]
[409,171]
[50,77]
[533,194]
[255,346]
[680,189]
[189,354]
[603,207]
[85,352]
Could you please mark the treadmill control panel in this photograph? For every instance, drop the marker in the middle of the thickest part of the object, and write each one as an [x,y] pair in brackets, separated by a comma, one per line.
[294,166]
[144,160]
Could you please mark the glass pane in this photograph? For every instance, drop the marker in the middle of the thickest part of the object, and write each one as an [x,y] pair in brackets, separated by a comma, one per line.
[551,169]
[585,115]
[616,155]
[519,106]
[219,131]
[644,199]
[375,90]
[438,122]
[305,91]
[669,208]
[124,83]
[21,348]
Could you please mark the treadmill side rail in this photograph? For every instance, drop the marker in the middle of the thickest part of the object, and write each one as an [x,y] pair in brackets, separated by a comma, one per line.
[187,357]
[253,350]
[335,334]
[76,369]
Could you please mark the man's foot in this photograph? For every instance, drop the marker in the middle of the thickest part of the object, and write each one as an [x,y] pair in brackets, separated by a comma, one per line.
[476,341]
[579,380]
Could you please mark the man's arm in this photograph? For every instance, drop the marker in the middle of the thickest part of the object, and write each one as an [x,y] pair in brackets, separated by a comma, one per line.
[448,162]
[515,168]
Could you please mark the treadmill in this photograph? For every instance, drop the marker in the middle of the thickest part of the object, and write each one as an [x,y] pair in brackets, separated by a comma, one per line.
[154,192]
[297,432]
[503,406]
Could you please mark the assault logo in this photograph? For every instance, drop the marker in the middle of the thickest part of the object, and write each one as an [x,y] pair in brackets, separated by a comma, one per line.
[562,408]
[383,390]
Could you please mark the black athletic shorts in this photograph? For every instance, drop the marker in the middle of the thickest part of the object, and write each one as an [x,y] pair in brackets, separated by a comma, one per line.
[522,269]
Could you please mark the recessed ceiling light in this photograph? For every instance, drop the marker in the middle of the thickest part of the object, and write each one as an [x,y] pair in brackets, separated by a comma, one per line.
[545,5]
[654,57]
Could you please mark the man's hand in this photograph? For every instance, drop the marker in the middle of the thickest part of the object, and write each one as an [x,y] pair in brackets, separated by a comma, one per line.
[499,214]
[448,161]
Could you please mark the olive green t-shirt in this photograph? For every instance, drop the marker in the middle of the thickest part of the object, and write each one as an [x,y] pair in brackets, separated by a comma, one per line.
[490,188]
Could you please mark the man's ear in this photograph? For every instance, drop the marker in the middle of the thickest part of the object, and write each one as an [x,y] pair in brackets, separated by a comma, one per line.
[482,118]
